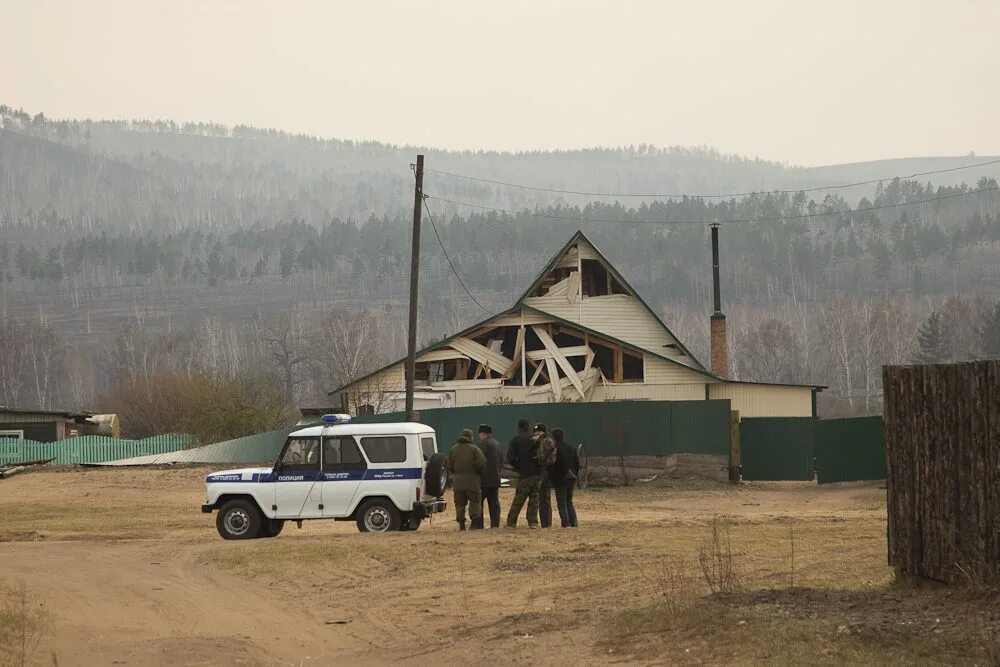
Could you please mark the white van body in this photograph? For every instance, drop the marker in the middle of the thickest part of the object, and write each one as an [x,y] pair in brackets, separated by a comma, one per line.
[375,474]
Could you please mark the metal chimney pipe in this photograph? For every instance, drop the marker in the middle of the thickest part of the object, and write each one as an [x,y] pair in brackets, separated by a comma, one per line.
[716,293]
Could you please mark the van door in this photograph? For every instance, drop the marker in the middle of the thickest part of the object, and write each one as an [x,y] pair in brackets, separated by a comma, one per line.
[343,470]
[297,493]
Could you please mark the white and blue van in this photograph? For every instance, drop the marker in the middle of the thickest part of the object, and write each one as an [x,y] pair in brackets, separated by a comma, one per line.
[383,476]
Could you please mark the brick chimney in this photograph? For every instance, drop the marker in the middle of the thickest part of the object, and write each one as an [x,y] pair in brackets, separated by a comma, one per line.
[719,349]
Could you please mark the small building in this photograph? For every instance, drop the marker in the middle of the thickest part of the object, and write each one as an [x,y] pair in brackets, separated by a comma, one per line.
[579,333]
[53,425]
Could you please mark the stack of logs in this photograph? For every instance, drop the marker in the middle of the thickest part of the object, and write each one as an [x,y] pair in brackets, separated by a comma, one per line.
[942,443]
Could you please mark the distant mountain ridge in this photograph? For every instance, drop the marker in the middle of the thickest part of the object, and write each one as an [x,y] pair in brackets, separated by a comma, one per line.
[160,175]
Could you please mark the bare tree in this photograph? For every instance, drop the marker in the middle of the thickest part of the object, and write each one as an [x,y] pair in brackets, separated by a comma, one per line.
[838,326]
[40,348]
[286,347]
[12,362]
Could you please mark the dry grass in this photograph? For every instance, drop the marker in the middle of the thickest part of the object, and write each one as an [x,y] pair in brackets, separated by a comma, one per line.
[793,574]
[24,622]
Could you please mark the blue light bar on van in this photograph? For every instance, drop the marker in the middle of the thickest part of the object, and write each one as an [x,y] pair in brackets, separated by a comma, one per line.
[335,419]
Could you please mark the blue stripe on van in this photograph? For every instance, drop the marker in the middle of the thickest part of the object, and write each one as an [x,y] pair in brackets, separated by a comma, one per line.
[345,475]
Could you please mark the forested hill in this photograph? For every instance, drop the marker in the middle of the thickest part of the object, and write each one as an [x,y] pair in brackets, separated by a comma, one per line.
[133,249]
[161,176]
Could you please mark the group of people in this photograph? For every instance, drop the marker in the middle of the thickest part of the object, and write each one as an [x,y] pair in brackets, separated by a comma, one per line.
[544,463]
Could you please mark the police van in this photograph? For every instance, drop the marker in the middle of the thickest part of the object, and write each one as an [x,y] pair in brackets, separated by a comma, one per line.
[385,477]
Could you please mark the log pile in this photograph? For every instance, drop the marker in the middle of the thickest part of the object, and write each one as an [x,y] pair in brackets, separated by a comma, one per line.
[15,468]
[942,443]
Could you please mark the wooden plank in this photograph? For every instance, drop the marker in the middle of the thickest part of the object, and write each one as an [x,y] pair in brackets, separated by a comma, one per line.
[573,288]
[561,288]
[481,353]
[559,359]
[440,355]
[619,365]
[575,351]
[589,379]
[550,367]
[518,355]
[467,384]
[514,320]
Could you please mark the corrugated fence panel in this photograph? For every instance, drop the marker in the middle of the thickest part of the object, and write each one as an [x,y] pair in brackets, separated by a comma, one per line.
[258,448]
[777,448]
[607,429]
[849,450]
[89,449]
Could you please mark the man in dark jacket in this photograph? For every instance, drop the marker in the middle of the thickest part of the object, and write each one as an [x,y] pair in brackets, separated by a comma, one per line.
[466,464]
[491,477]
[522,455]
[563,475]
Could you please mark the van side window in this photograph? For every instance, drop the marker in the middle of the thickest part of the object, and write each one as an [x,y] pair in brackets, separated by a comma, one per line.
[301,454]
[341,453]
[427,445]
[385,449]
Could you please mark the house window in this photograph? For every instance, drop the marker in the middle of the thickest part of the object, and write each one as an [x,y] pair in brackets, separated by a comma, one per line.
[596,280]
[11,433]
[633,368]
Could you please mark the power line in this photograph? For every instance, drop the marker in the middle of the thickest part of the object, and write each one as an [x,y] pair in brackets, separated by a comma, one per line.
[453,270]
[784,218]
[709,196]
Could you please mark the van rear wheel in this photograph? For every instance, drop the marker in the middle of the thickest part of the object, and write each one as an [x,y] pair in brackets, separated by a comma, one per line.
[378,516]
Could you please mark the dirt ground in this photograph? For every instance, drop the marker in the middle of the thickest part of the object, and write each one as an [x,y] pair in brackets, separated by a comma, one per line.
[130,572]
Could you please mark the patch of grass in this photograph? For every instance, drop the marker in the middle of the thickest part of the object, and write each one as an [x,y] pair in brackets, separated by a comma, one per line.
[24,622]
[709,631]
[108,522]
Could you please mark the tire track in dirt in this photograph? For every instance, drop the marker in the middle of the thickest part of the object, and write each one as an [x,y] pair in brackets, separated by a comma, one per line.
[127,603]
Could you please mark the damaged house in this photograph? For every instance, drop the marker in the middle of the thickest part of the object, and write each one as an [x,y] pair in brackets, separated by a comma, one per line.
[579,333]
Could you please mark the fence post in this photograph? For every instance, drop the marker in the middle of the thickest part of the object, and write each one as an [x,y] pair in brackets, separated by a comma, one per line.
[735,470]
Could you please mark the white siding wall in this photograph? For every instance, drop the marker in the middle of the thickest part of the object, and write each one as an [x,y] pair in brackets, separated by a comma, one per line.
[663,372]
[663,392]
[754,400]
[620,316]
[468,397]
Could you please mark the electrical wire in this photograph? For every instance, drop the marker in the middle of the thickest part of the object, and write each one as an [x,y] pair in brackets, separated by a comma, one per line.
[452,265]
[708,196]
[784,218]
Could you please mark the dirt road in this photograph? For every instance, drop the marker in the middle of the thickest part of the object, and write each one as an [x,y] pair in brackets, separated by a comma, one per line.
[132,573]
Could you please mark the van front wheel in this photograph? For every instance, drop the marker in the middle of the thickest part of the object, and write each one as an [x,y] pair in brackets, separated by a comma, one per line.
[238,520]
[378,516]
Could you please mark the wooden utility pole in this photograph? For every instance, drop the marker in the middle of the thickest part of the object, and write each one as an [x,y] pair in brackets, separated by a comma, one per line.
[411,344]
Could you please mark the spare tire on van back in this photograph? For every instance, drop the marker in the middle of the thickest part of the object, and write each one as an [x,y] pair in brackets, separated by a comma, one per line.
[436,475]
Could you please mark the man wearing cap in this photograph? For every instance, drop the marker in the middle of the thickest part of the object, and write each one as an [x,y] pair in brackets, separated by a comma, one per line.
[522,454]
[466,463]
[491,477]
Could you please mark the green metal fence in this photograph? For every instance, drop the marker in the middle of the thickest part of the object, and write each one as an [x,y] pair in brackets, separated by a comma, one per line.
[616,428]
[849,450]
[89,449]
[777,448]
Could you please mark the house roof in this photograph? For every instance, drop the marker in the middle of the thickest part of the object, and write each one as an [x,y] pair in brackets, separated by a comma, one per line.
[580,236]
[64,414]
[432,346]
[698,367]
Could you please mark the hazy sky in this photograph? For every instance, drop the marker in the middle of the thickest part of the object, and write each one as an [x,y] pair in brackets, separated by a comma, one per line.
[804,82]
